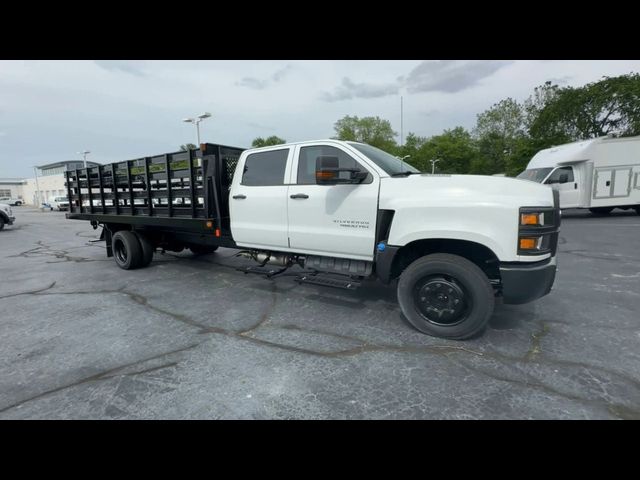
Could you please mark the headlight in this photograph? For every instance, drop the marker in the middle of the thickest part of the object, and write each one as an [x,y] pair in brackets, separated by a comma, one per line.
[538,230]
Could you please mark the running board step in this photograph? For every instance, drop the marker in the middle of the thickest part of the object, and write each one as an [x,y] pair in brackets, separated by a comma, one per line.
[269,272]
[329,282]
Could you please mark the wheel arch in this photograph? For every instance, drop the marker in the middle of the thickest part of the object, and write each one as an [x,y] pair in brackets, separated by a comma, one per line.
[401,257]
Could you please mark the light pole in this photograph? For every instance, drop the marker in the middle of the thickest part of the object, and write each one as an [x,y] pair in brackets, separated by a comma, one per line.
[196,121]
[402,160]
[433,165]
[84,154]
[35,171]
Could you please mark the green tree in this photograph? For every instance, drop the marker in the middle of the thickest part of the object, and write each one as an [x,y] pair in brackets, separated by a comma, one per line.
[412,145]
[188,146]
[272,140]
[500,132]
[374,131]
[455,148]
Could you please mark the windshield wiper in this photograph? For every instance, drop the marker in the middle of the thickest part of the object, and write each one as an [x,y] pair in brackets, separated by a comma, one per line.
[406,173]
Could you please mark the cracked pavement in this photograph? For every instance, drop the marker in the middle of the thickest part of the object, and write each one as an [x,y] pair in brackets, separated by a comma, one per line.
[192,337]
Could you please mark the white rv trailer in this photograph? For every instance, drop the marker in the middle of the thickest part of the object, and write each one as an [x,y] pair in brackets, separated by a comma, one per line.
[599,174]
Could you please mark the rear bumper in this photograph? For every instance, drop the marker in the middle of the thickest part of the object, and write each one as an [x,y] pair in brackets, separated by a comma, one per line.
[523,283]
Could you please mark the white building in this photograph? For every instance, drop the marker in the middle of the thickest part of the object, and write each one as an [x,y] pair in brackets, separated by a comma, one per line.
[49,184]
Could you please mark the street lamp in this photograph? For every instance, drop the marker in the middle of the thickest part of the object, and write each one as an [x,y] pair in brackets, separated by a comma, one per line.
[84,154]
[433,165]
[196,121]
[402,159]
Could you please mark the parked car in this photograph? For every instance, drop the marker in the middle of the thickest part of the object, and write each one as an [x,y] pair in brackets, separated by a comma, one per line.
[11,201]
[60,203]
[6,215]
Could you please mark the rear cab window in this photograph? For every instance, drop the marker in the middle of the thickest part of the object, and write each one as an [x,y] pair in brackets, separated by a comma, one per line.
[262,169]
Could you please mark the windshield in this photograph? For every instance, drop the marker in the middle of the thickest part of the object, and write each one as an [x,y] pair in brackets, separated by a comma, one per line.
[60,199]
[385,161]
[535,174]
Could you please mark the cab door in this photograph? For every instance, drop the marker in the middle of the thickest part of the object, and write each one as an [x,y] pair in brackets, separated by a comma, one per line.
[331,220]
[566,181]
[258,199]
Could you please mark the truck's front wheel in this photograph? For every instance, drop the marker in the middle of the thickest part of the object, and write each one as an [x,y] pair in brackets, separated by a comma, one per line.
[127,251]
[446,296]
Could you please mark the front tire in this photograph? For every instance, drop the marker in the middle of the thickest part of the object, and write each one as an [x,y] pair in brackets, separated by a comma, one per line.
[127,251]
[446,296]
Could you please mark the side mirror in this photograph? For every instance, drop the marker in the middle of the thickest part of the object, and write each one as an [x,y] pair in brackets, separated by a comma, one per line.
[328,172]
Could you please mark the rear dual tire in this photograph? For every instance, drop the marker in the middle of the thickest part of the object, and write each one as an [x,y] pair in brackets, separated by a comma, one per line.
[446,296]
[131,250]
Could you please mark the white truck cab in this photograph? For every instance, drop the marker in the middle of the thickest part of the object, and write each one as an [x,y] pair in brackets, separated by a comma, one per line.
[599,174]
[454,241]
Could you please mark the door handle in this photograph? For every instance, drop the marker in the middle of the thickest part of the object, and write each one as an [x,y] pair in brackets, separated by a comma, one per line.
[299,195]
[240,197]
[575,186]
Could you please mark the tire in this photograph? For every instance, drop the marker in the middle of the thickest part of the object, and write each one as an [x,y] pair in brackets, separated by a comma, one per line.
[446,296]
[127,251]
[601,210]
[147,249]
[202,249]
[18,204]
[637,209]
[1,223]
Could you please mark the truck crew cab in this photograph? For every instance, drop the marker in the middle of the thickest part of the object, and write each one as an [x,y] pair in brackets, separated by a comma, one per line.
[342,211]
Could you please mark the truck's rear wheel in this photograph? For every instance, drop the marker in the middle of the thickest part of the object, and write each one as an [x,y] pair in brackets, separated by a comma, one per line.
[202,249]
[1,223]
[147,249]
[446,296]
[127,251]
[637,209]
[601,210]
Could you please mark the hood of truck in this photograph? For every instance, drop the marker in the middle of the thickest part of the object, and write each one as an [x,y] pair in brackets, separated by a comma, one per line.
[477,208]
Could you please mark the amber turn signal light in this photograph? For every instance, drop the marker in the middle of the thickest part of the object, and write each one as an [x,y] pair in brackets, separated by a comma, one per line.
[530,219]
[528,243]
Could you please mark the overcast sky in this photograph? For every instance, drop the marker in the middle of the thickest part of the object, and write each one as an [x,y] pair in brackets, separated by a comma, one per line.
[120,110]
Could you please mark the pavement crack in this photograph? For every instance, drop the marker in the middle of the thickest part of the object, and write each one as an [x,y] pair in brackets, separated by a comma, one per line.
[264,317]
[107,374]
[30,292]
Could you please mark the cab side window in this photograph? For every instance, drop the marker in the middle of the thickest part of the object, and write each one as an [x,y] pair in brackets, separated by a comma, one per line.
[307,163]
[555,176]
[265,168]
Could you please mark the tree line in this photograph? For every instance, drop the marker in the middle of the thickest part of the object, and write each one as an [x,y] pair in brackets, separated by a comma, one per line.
[509,133]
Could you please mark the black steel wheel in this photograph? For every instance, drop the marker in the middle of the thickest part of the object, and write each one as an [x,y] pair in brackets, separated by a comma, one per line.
[446,296]
[127,251]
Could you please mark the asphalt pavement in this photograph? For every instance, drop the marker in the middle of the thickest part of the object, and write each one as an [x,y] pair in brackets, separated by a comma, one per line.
[190,337]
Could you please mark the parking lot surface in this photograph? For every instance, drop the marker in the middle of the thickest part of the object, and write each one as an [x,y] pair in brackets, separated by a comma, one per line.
[193,338]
